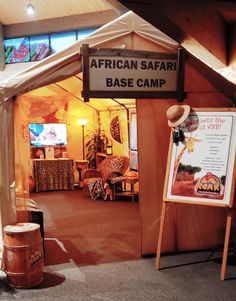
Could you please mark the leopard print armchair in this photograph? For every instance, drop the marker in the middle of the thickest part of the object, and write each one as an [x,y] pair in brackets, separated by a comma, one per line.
[109,166]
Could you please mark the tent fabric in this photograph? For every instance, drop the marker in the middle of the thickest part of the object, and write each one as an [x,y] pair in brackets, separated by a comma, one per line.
[7,182]
[67,62]
[55,68]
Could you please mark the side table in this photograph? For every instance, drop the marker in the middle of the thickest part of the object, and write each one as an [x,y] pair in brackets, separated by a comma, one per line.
[125,192]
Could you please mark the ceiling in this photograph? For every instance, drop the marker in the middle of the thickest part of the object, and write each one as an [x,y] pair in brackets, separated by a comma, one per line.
[226,8]
[51,9]
[56,15]
[48,9]
[205,28]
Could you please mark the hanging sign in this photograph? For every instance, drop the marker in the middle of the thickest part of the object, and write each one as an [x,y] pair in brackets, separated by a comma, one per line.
[131,74]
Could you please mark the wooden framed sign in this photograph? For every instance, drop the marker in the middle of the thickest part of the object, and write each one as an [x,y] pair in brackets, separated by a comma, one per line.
[120,73]
[202,169]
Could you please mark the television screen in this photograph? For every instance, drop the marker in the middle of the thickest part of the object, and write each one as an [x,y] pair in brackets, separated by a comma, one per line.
[47,134]
[134,160]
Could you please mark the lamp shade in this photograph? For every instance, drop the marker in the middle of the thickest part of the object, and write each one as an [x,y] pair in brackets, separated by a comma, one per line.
[82,121]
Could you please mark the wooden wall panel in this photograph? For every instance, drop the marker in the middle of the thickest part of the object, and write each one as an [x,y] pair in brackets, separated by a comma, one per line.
[203,24]
[187,227]
[198,24]
[153,140]
[58,24]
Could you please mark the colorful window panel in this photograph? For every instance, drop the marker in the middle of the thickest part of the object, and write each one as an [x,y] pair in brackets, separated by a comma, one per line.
[17,50]
[39,47]
[60,41]
[36,48]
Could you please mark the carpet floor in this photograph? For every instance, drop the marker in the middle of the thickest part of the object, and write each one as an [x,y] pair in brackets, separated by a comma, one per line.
[191,276]
[93,253]
[88,231]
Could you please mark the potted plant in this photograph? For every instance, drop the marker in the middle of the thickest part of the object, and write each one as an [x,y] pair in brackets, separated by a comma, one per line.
[96,143]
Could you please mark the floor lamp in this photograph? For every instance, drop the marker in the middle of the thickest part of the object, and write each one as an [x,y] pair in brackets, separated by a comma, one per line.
[83,122]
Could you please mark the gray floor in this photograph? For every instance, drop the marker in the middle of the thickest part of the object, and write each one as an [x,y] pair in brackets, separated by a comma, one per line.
[189,276]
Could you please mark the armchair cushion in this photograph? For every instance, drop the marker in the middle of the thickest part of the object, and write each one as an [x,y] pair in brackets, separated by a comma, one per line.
[115,165]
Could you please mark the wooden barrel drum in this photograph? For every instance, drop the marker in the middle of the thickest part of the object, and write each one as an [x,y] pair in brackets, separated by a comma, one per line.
[23,255]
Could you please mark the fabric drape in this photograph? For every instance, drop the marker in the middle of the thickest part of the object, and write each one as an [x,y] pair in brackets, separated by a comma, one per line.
[7,177]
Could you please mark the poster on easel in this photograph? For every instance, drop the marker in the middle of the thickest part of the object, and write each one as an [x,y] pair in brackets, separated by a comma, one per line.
[200,169]
[201,164]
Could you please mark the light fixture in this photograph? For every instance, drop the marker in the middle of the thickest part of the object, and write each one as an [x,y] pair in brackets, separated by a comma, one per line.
[30,9]
[109,149]
[83,122]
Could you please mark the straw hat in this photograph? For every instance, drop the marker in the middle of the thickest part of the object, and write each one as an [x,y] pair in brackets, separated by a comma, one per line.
[177,114]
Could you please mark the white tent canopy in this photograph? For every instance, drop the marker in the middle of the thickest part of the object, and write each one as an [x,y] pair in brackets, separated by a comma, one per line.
[67,62]
[56,68]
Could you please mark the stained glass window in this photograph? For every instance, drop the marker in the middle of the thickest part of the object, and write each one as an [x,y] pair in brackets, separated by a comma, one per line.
[60,41]
[17,50]
[39,47]
[36,48]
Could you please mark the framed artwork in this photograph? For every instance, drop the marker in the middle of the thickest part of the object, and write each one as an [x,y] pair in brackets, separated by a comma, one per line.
[37,152]
[58,151]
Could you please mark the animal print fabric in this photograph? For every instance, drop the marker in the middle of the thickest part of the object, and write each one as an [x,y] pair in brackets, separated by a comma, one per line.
[116,165]
[53,174]
[96,189]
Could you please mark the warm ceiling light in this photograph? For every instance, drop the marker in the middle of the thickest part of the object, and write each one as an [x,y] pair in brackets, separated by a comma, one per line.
[30,9]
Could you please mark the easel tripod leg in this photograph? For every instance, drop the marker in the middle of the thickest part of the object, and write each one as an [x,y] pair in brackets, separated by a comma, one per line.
[162,222]
[226,244]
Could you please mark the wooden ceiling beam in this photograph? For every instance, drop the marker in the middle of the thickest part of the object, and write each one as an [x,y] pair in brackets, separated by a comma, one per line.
[202,29]
[96,19]
[217,80]
[116,6]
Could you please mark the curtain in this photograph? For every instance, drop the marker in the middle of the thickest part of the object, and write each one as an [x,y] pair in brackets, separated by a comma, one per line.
[33,109]
[7,177]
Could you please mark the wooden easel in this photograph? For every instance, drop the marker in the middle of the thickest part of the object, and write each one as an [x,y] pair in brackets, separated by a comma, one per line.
[228,205]
[226,241]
